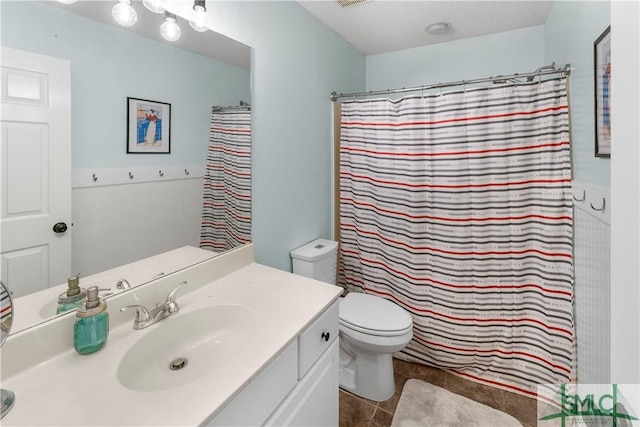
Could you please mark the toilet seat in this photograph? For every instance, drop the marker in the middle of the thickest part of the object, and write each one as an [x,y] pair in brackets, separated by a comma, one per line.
[373,315]
[374,332]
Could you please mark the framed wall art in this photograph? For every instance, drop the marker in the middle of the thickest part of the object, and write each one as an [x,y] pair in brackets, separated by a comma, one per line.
[148,126]
[602,86]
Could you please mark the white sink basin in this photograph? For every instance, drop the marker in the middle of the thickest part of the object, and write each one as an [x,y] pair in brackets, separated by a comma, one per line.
[208,338]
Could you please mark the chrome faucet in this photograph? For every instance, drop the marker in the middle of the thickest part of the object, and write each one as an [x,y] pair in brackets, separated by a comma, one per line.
[145,317]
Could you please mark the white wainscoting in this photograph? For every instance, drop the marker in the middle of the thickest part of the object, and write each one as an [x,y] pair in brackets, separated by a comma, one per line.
[592,265]
[116,224]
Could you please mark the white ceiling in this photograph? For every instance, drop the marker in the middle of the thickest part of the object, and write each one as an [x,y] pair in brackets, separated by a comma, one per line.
[380,26]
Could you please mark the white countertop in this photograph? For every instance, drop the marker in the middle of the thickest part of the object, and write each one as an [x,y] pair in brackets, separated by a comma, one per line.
[70,389]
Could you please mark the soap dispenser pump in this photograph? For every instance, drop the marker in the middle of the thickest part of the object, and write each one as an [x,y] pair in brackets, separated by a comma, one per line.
[73,296]
[91,328]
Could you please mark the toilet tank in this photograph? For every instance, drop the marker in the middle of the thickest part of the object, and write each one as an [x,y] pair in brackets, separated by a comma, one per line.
[317,259]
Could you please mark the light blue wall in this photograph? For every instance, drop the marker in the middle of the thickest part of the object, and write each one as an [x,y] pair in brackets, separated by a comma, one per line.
[108,64]
[297,63]
[503,53]
[571,29]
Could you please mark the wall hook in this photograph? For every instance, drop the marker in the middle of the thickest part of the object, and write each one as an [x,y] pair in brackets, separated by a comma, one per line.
[584,195]
[130,175]
[161,173]
[186,171]
[94,177]
[601,208]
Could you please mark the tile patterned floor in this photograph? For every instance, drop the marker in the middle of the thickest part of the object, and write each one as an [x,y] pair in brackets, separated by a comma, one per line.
[359,412]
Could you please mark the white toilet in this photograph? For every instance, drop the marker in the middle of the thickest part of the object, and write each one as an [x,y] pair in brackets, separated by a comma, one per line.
[371,328]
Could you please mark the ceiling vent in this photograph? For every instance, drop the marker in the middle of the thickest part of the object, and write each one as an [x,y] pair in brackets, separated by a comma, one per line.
[349,3]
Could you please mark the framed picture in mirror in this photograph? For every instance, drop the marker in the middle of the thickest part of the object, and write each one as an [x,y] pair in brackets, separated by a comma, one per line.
[148,126]
[602,87]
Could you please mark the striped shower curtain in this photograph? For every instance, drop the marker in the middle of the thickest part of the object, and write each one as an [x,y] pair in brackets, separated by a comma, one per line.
[226,213]
[457,207]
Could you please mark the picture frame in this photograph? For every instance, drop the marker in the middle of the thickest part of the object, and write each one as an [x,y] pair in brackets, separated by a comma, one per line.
[602,88]
[148,126]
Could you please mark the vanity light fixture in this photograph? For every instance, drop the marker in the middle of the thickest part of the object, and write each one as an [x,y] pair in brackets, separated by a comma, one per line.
[200,19]
[155,6]
[124,13]
[169,29]
[67,1]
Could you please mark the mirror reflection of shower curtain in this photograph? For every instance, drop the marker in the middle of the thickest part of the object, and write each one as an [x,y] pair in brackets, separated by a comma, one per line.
[457,207]
[226,213]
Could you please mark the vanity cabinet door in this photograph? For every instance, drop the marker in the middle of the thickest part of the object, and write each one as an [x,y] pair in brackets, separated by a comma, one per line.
[257,401]
[314,402]
[317,338]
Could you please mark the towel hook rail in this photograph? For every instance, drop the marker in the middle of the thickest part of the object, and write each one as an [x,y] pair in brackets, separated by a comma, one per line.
[601,208]
[584,196]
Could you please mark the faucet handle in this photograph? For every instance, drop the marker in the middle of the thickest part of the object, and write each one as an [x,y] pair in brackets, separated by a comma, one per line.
[171,298]
[123,284]
[142,314]
[171,305]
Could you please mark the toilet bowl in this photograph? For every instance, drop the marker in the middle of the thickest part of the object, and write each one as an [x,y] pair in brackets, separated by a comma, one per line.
[371,328]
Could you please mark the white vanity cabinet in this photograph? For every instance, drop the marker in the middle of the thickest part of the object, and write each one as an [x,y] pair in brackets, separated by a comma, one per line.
[299,387]
[276,365]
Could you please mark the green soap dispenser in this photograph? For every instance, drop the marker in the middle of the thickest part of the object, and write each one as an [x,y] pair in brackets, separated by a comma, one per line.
[73,296]
[91,329]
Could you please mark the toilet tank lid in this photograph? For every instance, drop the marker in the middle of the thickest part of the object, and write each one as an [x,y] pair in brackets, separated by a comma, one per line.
[315,250]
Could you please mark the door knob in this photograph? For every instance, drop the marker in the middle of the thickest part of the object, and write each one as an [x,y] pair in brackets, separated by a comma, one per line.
[60,227]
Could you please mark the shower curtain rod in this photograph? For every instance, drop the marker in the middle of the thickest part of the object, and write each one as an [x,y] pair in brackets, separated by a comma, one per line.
[544,70]
[241,106]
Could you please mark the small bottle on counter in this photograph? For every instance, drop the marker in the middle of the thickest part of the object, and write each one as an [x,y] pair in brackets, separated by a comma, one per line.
[91,329]
[73,297]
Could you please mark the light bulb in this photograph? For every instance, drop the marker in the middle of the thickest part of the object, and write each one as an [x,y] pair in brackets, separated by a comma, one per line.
[169,29]
[200,20]
[124,13]
[155,6]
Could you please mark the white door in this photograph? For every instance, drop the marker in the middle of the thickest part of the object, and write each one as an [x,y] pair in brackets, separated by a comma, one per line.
[35,179]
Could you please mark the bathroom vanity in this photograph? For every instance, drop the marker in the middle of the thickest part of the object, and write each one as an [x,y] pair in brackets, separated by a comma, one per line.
[260,346]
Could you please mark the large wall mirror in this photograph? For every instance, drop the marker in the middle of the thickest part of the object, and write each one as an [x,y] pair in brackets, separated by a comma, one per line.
[125,207]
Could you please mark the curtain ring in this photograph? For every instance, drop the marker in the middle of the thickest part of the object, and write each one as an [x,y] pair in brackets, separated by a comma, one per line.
[601,208]
[584,194]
